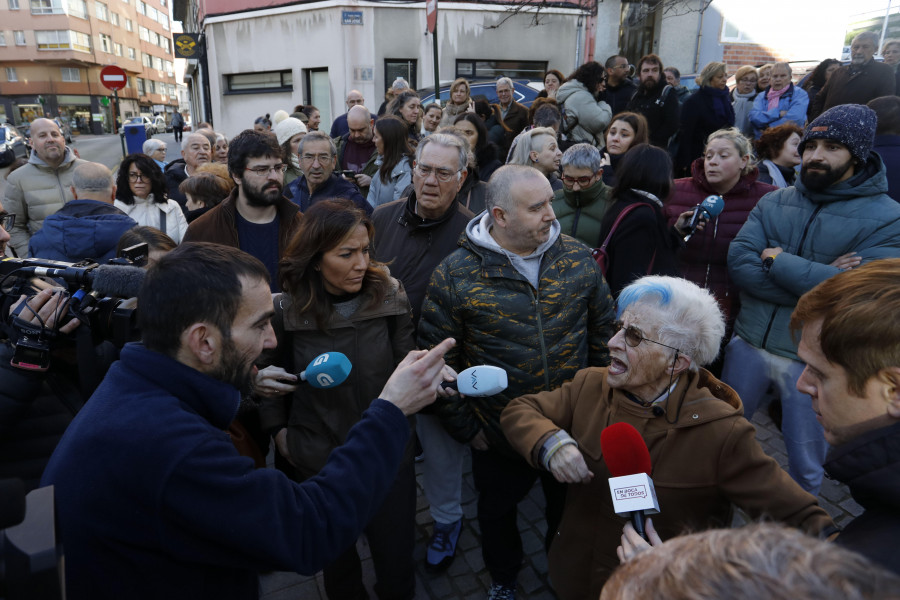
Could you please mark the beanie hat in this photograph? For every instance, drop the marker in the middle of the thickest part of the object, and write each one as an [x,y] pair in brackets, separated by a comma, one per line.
[288,128]
[852,125]
[280,115]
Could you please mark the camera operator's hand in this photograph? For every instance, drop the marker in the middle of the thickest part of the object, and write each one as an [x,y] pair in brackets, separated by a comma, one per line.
[45,308]
[272,382]
[412,385]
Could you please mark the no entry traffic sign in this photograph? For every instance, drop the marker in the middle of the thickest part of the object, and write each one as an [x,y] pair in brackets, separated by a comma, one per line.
[113,77]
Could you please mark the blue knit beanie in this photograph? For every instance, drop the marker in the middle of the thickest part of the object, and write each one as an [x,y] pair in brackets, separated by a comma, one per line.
[852,125]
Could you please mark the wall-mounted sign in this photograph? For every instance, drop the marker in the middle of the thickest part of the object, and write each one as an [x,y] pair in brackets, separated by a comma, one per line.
[351,17]
[363,73]
[187,45]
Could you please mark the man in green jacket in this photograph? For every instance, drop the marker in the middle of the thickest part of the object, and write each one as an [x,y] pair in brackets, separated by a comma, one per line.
[522,296]
[584,199]
[41,187]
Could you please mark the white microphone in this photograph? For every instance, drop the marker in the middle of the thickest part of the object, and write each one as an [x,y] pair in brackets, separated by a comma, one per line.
[481,380]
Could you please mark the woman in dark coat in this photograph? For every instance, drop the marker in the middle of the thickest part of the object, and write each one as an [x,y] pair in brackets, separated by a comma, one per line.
[642,243]
[705,111]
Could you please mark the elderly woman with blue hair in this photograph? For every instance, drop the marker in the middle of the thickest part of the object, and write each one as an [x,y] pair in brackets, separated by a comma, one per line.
[704,453]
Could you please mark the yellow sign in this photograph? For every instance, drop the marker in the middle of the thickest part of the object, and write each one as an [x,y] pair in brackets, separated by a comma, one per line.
[187,45]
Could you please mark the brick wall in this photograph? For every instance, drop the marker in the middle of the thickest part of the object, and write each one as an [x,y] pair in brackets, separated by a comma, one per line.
[738,55]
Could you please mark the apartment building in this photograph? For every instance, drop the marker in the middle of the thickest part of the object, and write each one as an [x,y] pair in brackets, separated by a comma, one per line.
[51,53]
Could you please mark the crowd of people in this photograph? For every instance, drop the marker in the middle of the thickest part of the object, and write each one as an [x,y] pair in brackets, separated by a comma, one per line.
[563,242]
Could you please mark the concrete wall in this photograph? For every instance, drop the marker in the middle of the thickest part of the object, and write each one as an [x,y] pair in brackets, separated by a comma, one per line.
[301,37]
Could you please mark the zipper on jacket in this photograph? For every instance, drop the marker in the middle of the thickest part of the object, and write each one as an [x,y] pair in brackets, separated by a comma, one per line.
[62,192]
[799,253]
[536,298]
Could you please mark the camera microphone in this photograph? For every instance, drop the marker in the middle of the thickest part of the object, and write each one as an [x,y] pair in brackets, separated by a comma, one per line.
[117,280]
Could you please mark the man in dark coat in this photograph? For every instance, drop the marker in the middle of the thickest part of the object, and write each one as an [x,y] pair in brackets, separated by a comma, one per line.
[656,100]
[862,80]
[318,159]
[850,343]
[195,150]
[887,139]
[619,86]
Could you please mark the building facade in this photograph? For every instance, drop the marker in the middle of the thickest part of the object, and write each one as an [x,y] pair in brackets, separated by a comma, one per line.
[52,51]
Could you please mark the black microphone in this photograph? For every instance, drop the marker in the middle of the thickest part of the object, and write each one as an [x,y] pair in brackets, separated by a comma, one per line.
[712,206]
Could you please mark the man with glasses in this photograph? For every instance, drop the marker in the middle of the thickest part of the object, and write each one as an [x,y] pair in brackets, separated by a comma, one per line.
[89,226]
[318,159]
[521,295]
[584,199]
[340,127]
[413,235]
[40,188]
[256,217]
[619,86]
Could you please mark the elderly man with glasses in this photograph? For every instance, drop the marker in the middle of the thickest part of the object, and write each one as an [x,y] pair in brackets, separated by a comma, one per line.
[318,160]
[521,295]
[704,453]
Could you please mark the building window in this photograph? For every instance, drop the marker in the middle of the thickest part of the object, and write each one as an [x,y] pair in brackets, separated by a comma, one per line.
[129,25]
[105,43]
[70,74]
[140,86]
[146,60]
[52,40]
[400,67]
[170,67]
[46,7]
[80,41]
[157,63]
[132,54]
[144,33]
[11,74]
[141,7]
[269,81]
[494,69]
[20,37]
[117,49]
[114,19]
[101,10]
[13,4]
[78,8]
[732,34]
[2,38]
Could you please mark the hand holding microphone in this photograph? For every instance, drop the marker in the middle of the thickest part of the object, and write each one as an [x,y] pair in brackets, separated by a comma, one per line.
[328,370]
[711,207]
[480,380]
[628,460]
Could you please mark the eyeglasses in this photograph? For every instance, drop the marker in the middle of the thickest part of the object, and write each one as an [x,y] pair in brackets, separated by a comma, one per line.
[634,336]
[7,221]
[311,158]
[445,175]
[263,170]
[135,177]
[582,181]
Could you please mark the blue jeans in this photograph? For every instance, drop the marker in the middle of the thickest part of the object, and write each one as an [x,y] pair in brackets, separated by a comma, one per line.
[750,371]
[442,469]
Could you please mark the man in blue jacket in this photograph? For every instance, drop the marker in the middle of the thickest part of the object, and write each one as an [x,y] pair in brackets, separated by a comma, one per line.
[152,498]
[837,216]
[87,227]
[318,160]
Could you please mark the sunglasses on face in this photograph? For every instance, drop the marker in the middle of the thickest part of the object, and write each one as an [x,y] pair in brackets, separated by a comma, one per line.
[634,336]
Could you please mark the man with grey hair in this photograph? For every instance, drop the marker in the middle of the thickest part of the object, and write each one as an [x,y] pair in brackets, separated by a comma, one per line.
[88,227]
[413,235]
[584,199]
[515,115]
[520,295]
[339,126]
[41,187]
[862,80]
[196,149]
[318,159]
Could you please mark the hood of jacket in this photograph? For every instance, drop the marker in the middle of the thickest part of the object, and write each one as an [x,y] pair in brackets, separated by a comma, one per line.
[68,157]
[871,180]
[587,197]
[870,466]
[570,87]
[698,174]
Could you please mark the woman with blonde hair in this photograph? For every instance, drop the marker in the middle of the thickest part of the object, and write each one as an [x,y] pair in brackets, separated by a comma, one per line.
[460,102]
[538,148]
[705,111]
[742,97]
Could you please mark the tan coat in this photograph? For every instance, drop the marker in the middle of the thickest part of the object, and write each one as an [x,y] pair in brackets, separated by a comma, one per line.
[33,193]
[707,459]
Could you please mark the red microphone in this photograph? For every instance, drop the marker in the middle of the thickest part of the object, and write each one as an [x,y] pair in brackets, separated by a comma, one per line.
[628,460]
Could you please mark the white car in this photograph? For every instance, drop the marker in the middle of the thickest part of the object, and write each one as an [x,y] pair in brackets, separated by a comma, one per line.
[145,121]
[159,125]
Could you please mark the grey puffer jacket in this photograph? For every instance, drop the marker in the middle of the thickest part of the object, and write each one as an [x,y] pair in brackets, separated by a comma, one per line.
[813,228]
[586,118]
[34,192]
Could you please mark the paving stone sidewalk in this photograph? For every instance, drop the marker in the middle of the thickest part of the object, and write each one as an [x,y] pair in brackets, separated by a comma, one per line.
[467,577]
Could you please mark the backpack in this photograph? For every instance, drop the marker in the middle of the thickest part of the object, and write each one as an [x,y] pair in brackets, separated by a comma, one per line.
[602,256]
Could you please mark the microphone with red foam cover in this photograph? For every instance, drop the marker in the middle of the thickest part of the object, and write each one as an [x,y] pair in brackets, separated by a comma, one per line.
[628,460]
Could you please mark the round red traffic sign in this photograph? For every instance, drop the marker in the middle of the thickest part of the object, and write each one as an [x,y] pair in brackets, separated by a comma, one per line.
[113,77]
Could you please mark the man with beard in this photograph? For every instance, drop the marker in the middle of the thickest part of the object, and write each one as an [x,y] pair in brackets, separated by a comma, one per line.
[151,497]
[256,217]
[41,187]
[862,80]
[836,217]
[656,100]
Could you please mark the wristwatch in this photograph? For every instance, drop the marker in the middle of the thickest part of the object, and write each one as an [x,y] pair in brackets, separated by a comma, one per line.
[767,263]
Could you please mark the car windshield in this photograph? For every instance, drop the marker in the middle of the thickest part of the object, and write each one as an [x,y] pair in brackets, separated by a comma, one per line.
[3,133]
[135,120]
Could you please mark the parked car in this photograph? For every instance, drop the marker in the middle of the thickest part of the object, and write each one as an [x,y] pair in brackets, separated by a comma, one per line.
[159,125]
[145,121]
[522,92]
[12,146]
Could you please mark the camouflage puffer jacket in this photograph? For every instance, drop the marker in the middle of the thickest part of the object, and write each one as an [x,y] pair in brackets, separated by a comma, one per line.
[541,337]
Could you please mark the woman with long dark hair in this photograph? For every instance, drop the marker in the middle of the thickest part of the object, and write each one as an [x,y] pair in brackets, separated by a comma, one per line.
[552,80]
[141,194]
[585,115]
[485,151]
[641,243]
[407,107]
[625,131]
[337,299]
[395,158]
[815,82]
